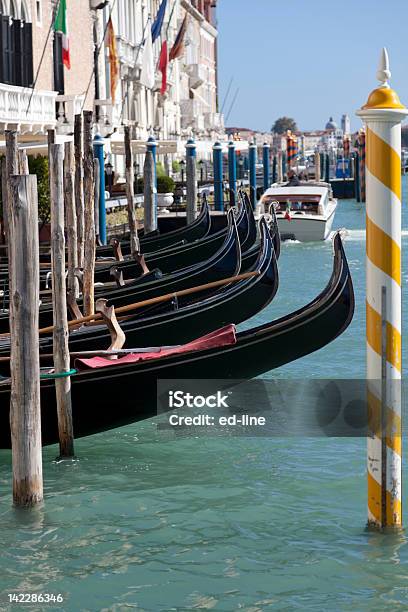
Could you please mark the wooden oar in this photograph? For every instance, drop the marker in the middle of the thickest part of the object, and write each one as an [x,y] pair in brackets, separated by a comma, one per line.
[151,301]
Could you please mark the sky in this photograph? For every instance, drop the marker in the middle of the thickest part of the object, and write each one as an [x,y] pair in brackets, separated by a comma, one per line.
[307,59]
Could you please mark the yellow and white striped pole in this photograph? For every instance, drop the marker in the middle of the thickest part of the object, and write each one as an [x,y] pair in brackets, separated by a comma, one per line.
[382,115]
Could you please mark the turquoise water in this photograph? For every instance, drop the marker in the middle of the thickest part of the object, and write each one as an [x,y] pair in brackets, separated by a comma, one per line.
[226,524]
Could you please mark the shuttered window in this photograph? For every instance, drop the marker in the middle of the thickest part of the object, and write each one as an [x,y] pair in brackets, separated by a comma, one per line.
[16,60]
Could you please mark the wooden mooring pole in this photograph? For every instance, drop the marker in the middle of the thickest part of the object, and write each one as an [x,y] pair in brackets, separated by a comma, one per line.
[89,220]
[382,115]
[25,416]
[130,195]
[71,219]
[79,187]
[59,302]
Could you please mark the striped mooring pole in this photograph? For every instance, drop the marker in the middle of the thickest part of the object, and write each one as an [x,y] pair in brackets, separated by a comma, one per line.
[218,178]
[266,151]
[382,115]
[151,146]
[252,173]
[232,172]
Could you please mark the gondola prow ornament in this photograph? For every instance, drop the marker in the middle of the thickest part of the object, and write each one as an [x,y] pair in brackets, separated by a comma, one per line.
[382,115]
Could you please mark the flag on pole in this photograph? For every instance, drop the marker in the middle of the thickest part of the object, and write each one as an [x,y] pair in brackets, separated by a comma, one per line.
[147,73]
[163,63]
[158,22]
[178,47]
[61,26]
[110,42]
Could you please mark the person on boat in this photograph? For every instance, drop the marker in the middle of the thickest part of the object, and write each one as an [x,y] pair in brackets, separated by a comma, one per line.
[293,180]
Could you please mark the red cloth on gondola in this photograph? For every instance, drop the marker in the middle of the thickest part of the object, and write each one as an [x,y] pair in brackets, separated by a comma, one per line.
[225,336]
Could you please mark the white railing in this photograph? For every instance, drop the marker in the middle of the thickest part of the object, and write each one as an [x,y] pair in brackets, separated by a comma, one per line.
[214,121]
[67,108]
[107,116]
[26,110]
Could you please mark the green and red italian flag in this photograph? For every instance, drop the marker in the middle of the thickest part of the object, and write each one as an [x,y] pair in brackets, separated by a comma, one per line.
[61,25]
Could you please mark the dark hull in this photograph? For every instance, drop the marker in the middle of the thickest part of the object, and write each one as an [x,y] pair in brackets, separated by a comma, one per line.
[226,262]
[192,316]
[111,397]
[171,260]
[156,241]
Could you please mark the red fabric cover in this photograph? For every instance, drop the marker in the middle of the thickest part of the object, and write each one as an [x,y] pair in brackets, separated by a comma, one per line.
[221,337]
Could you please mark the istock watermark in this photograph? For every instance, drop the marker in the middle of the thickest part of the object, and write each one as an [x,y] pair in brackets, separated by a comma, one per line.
[281,407]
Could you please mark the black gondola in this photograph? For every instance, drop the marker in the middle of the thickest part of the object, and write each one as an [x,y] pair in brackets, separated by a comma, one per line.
[191,316]
[170,260]
[116,395]
[224,263]
[196,230]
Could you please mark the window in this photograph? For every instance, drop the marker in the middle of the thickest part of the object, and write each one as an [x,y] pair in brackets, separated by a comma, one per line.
[16,60]
[38,12]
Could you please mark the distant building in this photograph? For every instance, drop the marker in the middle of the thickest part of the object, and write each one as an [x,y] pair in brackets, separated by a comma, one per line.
[345,124]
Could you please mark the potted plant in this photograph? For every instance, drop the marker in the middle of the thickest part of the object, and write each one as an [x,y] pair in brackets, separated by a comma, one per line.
[165,190]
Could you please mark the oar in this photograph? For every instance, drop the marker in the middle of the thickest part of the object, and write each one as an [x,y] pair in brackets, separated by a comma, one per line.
[151,301]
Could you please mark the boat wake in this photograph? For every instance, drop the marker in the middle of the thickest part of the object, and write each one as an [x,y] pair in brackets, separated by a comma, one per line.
[360,234]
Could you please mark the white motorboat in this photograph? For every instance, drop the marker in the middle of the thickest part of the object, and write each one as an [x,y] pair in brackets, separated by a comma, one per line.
[305,212]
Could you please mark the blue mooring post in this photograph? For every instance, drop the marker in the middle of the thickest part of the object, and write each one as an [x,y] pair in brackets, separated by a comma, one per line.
[98,145]
[274,170]
[218,178]
[152,147]
[284,177]
[266,166]
[232,172]
[327,169]
[252,173]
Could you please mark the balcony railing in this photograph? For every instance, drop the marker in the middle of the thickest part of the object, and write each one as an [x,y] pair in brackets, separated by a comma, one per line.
[26,110]
[214,121]
[67,108]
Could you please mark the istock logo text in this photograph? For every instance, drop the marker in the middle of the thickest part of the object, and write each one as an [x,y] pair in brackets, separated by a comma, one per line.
[179,399]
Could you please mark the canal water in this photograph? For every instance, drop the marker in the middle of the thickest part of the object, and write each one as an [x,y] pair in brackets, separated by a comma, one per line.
[216,523]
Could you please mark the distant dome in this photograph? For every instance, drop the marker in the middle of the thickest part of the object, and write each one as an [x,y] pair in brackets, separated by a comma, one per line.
[331,125]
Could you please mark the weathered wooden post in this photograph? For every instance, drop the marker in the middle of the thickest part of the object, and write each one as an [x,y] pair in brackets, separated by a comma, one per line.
[130,195]
[150,219]
[218,178]
[71,219]
[100,205]
[25,416]
[89,221]
[317,166]
[383,114]
[79,187]
[280,167]
[191,173]
[23,162]
[266,161]
[4,189]
[11,169]
[252,173]
[59,302]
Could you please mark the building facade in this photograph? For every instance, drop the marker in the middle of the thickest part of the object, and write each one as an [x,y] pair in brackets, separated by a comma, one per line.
[38,93]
